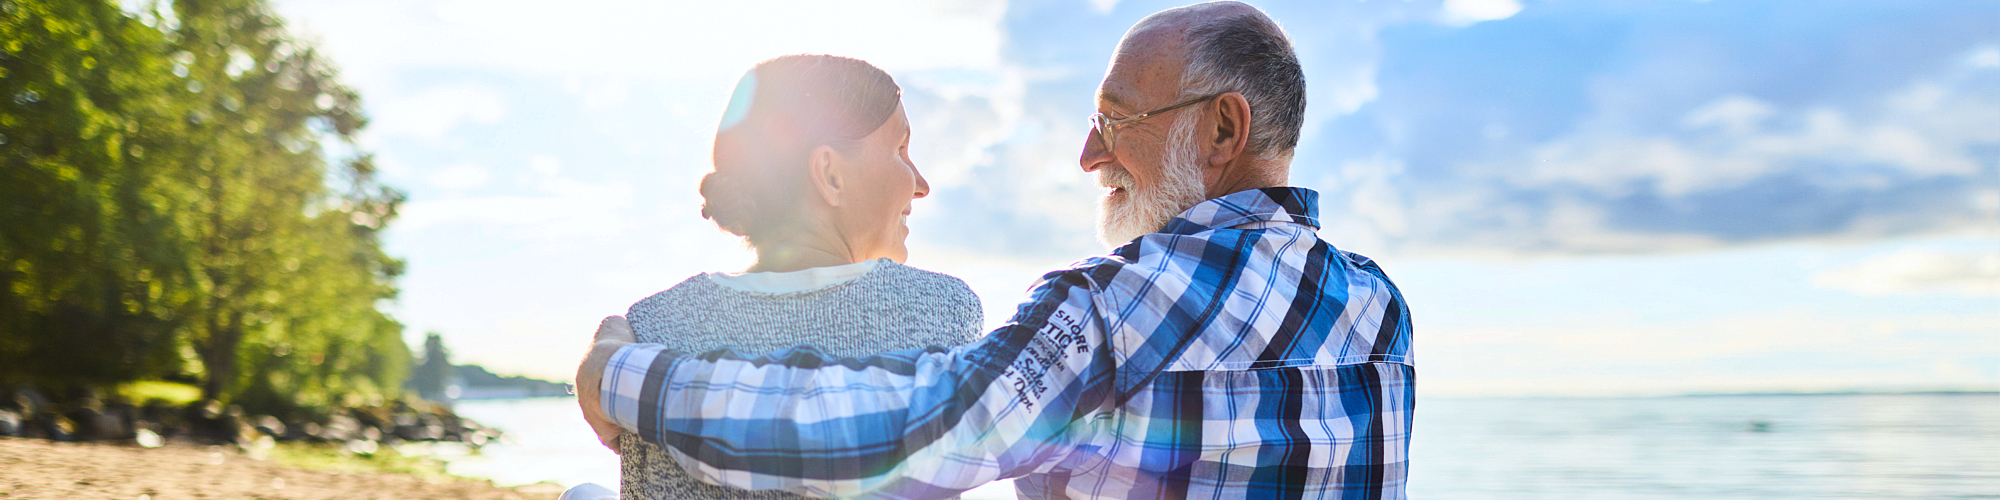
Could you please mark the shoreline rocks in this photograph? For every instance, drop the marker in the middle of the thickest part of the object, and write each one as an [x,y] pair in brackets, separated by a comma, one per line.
[26,412]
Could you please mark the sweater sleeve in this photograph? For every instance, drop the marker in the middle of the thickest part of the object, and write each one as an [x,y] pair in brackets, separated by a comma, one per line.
[965,315]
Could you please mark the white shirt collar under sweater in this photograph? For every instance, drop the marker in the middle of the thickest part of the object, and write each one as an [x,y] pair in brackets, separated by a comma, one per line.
[802,280]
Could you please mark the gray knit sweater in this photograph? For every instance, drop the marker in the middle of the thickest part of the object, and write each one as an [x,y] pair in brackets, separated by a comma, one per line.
[891,307]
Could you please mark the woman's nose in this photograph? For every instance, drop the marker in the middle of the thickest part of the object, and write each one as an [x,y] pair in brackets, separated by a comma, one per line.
[923,186]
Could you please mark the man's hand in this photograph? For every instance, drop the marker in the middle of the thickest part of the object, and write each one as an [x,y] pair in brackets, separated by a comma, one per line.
[612,334]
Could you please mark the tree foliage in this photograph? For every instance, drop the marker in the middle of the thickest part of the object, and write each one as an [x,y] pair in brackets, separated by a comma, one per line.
[433,374]
[167,209]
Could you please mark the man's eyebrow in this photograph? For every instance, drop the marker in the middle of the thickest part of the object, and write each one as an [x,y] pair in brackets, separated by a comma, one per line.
[1111,98]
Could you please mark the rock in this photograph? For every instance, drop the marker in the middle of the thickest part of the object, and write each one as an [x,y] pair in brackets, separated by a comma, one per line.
[83,396]
[125,416]
[10,423]
[268,425]
[95,424]
[295,428]
[207,410]
[429,433]
[146,438]
[309,432]
[368,418]
[361,447]
[211,423]
[165,419]
[340,428]
[52,426]
[419,427]
[461,429]
[29,401]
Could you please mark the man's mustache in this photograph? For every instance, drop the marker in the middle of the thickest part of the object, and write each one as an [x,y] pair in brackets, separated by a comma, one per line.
[1114,178]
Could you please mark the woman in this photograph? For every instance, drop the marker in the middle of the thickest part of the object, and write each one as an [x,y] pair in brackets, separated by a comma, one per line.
[812,168]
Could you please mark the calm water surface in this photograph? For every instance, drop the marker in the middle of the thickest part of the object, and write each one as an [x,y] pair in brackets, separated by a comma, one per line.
[1711,447]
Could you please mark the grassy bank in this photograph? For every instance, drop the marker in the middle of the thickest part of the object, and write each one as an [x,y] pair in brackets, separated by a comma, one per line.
[334,458]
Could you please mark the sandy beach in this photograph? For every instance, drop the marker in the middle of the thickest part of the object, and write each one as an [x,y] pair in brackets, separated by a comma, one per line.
[34,468]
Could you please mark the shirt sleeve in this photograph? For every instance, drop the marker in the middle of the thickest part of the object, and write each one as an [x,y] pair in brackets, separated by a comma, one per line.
[919,423]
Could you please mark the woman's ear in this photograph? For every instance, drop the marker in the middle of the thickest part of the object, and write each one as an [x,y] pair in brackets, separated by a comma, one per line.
[826,174]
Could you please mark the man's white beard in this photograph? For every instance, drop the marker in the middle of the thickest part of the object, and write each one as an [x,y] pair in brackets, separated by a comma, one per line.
[1143,212]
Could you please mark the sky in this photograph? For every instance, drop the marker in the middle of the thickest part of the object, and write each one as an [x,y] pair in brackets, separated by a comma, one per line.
[1578,198]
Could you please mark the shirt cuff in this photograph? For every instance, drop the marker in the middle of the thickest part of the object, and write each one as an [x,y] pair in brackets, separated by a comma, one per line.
[623,385]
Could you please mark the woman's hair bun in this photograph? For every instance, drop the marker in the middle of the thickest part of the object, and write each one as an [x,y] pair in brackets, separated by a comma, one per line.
[724,203]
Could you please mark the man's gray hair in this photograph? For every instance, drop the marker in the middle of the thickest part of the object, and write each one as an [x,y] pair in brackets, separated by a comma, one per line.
[1250,54]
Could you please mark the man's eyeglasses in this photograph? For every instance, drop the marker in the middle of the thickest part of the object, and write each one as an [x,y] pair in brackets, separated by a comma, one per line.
[1106,127]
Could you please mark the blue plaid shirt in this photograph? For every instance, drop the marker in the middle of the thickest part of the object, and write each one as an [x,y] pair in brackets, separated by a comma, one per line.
[1232,355]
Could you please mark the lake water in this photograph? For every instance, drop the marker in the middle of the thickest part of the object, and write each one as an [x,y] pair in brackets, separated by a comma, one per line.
[1710,447]
[1714,447]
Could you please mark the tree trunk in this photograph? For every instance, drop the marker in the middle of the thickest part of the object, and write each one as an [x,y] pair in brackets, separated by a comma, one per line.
[220,356]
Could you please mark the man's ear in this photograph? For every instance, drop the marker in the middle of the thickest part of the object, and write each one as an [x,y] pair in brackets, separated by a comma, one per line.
[824,172]
[1231,135]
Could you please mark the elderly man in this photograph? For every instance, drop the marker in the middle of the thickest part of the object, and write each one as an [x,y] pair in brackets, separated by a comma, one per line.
[1222,351]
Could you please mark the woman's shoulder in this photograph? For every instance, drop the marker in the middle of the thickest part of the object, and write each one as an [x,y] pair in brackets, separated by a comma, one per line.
[690,292]
[923,283]
[942,301]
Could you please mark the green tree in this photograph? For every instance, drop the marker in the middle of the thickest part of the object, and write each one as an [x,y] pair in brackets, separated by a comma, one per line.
[434,374]
[92,260]
[169,210]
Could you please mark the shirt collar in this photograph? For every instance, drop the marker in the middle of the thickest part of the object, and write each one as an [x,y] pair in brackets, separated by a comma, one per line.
[1278,204]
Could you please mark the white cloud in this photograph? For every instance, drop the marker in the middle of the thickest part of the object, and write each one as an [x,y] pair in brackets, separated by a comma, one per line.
[1376,213]
[460,177]
[374,39]
[1923,130]
[1003,173]
[1735,169]
[564,209]
[545,165]
[1734,114]
[953,129]
[432,112]
[1917,271]
[607,93]
[1984,57]
[1661,132]
[1468,12]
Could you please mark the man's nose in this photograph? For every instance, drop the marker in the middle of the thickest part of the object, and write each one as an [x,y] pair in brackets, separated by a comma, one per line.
[1094,156]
